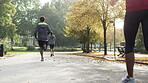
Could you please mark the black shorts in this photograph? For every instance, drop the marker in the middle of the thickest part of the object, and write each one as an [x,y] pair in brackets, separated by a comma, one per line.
[51,46]
[41,43]
[131,25]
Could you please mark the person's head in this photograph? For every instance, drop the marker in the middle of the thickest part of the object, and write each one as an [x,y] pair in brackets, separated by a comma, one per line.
[42,19]
[51,33]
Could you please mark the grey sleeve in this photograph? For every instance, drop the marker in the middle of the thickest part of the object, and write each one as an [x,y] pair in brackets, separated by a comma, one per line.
[54,38]
[35,32]
[49,29]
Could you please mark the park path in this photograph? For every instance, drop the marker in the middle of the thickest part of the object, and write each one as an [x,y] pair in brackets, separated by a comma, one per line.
[64,68]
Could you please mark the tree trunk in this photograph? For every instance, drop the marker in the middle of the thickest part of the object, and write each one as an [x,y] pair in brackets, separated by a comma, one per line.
[110,47]
[91,47]
[83,47]
[100,47]
[12,43]
[87,46]
[105,28]
[105,46]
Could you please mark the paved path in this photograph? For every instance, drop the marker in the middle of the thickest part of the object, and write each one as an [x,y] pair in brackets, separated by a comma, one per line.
[63,68]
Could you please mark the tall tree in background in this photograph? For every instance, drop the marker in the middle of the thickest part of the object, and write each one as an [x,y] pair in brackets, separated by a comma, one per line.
[96,13]
[54,13]
[29,12]
[81,23]
[7,27]
[7,10]
[105,15]
[139,42]
[26,16]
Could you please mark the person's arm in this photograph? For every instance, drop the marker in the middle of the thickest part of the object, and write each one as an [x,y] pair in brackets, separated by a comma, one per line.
[113,2]
[35,32]
[49,29]
[54,39]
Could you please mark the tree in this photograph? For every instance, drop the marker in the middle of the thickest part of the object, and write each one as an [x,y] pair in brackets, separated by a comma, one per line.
[139,42]
[7,10]
[26,16]
[105,14]
[81,24]
[7,27]
[54,13]
[92,13]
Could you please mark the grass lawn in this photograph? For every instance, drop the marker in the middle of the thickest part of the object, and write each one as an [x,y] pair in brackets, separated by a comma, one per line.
[18,50]
[24,50]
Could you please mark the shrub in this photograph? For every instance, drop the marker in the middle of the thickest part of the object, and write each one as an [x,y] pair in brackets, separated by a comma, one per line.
[6,45]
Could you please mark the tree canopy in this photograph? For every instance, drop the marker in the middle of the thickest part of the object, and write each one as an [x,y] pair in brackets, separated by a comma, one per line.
[7,27]
[96,14]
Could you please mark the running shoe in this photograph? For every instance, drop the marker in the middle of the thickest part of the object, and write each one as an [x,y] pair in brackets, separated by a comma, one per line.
[52,55]
[128,80]
[42,59]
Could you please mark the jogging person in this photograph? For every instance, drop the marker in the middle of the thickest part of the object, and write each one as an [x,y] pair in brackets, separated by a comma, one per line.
[51,42]
[136,13]
[41,34]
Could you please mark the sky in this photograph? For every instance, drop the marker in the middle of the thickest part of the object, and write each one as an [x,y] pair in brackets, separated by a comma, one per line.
[44,1]
[119,24]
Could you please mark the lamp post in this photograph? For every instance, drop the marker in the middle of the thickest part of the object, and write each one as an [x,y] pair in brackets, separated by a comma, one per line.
[114,38]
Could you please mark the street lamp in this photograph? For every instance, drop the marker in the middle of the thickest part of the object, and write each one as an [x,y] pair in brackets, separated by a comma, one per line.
[114,38]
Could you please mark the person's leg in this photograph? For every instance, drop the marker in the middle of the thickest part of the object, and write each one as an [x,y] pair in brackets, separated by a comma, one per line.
[45,44]
[131,24]
[41,49]
[53,50]
[50,50]
[130,59]
[41,52]
[145,29]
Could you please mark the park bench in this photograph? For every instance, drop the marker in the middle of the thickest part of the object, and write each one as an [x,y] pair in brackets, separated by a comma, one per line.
[121,50]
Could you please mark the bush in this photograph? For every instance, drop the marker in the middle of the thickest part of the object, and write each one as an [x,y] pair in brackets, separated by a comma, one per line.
[6,45]
[30,48]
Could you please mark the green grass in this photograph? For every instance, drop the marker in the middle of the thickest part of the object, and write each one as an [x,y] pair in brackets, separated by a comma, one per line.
[18,50]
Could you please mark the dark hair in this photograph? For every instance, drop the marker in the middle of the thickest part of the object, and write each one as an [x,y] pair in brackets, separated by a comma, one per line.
[42,19]
[51,33]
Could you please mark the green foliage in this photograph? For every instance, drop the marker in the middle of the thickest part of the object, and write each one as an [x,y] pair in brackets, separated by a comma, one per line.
[26,16]
[7,10]
[6,45]
[28,13]
[7,27]
[54,14]
[139,45]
